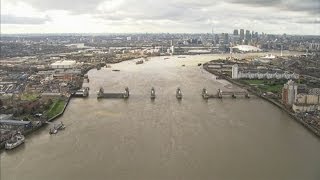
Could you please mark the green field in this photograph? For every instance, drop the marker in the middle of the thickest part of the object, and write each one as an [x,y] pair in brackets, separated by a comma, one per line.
[266,85]
[56,108]
[29,96]
[254,81]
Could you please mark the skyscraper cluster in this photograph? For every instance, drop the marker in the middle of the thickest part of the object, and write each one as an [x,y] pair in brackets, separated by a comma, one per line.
[245,36]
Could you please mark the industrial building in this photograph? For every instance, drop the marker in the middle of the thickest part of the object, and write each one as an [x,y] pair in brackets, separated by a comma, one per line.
[64,64]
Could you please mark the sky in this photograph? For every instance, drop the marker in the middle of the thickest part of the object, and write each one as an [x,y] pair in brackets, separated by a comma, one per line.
[160,16]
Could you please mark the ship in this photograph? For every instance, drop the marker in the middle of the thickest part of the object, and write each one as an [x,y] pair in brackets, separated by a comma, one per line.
[56,128]
[153,93]
[178,93]
[15,141]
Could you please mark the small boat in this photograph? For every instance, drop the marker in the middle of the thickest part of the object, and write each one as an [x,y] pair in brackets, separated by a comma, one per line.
[166,58]
[178,93]
[199,64]
[153,93]
[183,65]
[115,70]
[15,141]
[181,57]
[56,128]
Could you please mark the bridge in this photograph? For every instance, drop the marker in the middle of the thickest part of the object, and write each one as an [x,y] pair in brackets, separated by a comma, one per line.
[124,95]
[220,94]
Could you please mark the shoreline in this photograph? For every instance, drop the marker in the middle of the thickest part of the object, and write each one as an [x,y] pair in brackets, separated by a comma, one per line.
[311,129]
[42,125]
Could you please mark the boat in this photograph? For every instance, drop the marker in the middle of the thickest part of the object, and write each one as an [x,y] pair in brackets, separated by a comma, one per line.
[166,58]
[181,57]
[115,70]
[139,62]
[153,93]
[178,93]
[199,64]
[56,128]
[183,65]
[15,141]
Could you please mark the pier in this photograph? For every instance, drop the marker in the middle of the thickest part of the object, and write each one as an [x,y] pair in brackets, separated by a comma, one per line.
[83,92]
[220,94]
[124,95]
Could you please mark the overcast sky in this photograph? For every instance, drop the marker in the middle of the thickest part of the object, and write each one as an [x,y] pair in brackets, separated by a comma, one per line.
[154,16]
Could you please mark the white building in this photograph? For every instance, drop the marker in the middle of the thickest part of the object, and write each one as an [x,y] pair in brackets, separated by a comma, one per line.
[261,74]
[305,108]
[65,64]
[235,71]
[246,48]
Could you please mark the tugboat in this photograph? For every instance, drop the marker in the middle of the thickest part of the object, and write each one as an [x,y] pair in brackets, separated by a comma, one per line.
[153,93]
[15,141]
[56,128]
[178,94]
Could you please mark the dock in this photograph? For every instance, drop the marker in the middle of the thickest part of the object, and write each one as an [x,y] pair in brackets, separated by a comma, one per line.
[83,92]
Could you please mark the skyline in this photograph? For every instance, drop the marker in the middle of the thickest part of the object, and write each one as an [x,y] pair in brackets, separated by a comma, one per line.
[177,16]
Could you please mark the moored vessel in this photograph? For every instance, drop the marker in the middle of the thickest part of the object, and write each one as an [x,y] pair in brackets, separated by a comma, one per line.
[15,141]
[56,128]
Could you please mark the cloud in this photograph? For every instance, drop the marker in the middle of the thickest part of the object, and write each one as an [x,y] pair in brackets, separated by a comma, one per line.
[310,6]
[76,6]
[271,16]
[308,21]
[11,19]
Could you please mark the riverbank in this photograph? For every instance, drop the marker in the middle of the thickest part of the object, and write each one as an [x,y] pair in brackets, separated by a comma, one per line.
[274,102]
[43,124]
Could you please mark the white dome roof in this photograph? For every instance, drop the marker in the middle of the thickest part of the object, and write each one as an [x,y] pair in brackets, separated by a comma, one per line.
[247,48]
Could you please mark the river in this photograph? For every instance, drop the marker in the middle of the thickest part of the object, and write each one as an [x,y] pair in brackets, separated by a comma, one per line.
[166,139]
